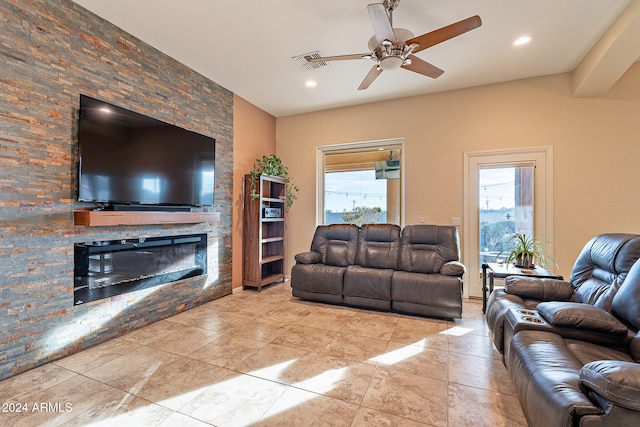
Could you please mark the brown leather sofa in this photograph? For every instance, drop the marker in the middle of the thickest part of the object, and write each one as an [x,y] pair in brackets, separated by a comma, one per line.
[415,270]
[598,272]
[572,348]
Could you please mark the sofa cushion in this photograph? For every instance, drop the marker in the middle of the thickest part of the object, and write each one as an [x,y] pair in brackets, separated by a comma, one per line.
[626,303]
[538,288]
[583,316]
[453,268]
[336,243]
[603,259]
[367,283]
[318,278]
[426,248]
[584,322]
[378,246]
[308,258]
[614,380]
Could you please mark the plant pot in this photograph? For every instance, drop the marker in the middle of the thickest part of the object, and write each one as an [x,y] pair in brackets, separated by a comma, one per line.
[524,261]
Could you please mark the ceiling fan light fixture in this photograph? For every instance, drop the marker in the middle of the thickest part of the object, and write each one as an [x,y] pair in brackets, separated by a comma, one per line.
[391,63]
[407,62]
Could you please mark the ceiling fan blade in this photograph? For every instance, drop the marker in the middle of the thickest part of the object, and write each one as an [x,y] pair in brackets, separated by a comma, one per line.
[341,57]
[445,33]
[373,74]
[381,23]
[422,67]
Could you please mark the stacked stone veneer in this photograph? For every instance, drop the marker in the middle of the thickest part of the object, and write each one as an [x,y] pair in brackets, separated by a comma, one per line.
[51,51]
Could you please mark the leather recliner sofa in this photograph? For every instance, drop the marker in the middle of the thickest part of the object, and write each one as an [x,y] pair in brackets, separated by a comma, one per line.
[415,270]
[598,272]
[572,348]
[583,370]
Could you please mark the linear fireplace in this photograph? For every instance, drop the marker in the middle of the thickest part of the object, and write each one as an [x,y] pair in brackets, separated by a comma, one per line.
[112,267]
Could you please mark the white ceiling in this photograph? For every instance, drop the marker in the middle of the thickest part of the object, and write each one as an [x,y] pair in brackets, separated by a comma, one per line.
[247,46]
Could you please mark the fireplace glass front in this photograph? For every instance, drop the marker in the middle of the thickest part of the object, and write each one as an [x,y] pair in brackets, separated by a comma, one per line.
[107,268]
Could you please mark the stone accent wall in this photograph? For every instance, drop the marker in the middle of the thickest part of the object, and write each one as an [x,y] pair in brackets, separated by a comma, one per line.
[51,51]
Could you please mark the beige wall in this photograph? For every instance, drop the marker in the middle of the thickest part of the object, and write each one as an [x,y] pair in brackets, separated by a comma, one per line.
[254,136]
[596,151]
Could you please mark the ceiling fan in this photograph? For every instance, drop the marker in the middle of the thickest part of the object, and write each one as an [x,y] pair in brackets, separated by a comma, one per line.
[393,48]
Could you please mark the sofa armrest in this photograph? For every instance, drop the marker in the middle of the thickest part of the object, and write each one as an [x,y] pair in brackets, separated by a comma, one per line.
[310,257]
[615,380]
[453,268]
[538,289]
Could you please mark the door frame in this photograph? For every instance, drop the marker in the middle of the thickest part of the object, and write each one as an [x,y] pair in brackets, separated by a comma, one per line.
[543,202]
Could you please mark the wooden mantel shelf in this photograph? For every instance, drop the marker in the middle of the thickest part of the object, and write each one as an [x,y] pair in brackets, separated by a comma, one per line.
[106,218]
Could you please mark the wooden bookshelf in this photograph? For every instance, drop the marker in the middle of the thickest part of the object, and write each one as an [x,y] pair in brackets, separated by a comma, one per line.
[263,235]
[110,218]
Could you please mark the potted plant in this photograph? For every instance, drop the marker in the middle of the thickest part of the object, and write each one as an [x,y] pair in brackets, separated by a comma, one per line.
[525,251]
[272,165]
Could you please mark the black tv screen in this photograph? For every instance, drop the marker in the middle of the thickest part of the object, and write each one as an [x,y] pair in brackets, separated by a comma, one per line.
[128,158]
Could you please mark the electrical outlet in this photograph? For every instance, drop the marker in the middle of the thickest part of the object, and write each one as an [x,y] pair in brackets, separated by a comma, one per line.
[421,220]
[456,220]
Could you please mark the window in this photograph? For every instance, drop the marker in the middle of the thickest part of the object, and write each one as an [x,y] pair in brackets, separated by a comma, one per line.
[360,183]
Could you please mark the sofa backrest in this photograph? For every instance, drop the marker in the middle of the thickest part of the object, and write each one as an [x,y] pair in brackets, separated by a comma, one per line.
[337,243]
[626,306]
[602,267]
[378,246]
[426,248]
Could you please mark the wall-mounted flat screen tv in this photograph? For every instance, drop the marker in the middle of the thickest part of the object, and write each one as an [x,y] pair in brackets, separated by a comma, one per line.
[130,159]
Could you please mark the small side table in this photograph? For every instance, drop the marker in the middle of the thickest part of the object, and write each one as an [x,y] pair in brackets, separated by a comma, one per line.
[494,270]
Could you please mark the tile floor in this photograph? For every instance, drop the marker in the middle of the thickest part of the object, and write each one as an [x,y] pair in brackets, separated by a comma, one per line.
[268,359]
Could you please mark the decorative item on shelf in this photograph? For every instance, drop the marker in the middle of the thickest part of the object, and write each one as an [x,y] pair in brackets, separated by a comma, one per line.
[272,165]
[525,251]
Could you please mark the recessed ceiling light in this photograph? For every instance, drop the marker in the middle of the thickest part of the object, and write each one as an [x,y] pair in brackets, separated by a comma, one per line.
[522,40]
[311,83]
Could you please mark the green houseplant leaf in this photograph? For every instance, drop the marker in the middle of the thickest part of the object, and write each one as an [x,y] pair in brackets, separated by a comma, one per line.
[272,165]
[525,250]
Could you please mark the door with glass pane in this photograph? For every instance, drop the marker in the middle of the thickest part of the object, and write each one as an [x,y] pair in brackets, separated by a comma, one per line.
[506,202]
[505,192]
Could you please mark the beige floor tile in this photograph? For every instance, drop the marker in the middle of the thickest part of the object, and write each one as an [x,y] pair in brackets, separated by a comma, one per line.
[355,347]
[153,332]
[338,378]
[367,417]
[470,406]
[370,325]
[131,371]
[305,337]
[98,355]
[427,333]
[302,408]
[415,359]
[40,378]
[291,313]
[185,340]
[479,372]
[175,384]
[273,362]
[63,401]
[236,401]
[408,396]
[122,410]
[226,350]
[268,358]
[219,322]
[473,345]
[181,420]
[327,318]
[259,329]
